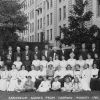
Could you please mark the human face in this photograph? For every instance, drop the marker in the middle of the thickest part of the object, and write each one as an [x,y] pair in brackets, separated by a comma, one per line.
[72,55]
[18,48]
[89,56]
[93,45]
[57,57]
[81,57]
[13,67]
[63,58]
[23,67]
[32,67]
[50,58]
[73,46]
[18,58]
[35,57]
[27,58]
[94,66]
[46,47]
[83,46]
[67,79]
[10,48]
[26,48]
[43,57]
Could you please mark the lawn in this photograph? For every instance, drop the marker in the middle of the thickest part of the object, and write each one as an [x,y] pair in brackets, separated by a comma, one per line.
[50,96]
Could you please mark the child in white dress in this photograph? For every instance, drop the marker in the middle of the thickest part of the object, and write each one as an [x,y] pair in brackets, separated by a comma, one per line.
[18,63]
[13,78]
[86,77]
[22,74]
[4,81]
[77,87]
[68,86]
[56,85]
[19,86]
[45,85]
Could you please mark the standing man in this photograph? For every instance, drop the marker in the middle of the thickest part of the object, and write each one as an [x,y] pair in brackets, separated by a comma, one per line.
[17,53]
[27,52]
[46,52]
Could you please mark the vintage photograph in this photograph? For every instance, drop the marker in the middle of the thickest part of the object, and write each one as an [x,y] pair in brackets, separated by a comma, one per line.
[49,49]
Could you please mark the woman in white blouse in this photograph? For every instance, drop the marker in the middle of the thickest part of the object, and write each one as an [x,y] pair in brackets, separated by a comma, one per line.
[36,62]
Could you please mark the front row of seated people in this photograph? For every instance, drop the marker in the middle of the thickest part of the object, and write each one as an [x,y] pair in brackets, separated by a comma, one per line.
[48,79]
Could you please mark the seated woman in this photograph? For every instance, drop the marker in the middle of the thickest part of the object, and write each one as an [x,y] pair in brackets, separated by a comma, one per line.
[94,76]
[18,63]
[56,85]
[68,85]
[86,77]
[22,74]
[29,85]
[13,78]
[45,85]
[19,86]
[77,87]
[4,81]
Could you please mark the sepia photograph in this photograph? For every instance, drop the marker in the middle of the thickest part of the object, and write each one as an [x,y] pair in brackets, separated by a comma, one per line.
[49,49]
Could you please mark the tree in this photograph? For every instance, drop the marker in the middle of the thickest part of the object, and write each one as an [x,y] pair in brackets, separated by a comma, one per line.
[77,31]
[11,20]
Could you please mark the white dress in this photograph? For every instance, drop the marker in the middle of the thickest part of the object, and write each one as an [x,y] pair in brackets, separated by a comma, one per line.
[63,64]
[18,64]
[4,80]
[81,63]
[41,73]
[22,75]
[77,87]
[44,86]
[90,62]
[33,74]
[36,63]
[13,80]
[56,63]
[78,74]
[71,62]
[67,87]
[43,63]
[56,85]
[59,73]
[69,72]
[94,73]
[85,81]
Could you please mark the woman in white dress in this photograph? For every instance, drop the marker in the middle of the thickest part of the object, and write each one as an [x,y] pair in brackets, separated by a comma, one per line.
[71,61]
[86,77]
[43,62]
[56,62]
[89,61]
[13,78]
[4,81]
[80,62]
[33,73]
[18,63]
[45,85]
[63,63]
[22,74]
[36,62]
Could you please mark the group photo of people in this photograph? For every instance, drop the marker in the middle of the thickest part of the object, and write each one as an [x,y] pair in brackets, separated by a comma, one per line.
[51,69]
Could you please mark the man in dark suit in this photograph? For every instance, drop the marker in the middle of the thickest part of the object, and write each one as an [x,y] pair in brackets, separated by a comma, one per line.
[93,50]
[37,52]
[27,52]
[74,50]
[46,52]
[83,51]
[18,53]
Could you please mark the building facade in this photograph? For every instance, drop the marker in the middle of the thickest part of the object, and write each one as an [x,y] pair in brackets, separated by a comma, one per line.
[46,17]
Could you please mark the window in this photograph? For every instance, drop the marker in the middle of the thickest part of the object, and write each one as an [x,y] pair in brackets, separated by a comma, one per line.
[41,23]
[59,1]
[64,12]
[38,37]
[51,4]
[47,20]
[98,7]
[59,14]
[47,4]
[38,24]
[50,34]
[51,18]
[32,27]
[60,31]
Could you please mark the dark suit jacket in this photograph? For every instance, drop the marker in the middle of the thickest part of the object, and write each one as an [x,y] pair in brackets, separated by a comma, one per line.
[24,55]
[93,52]
[48,53]
[16,54]
[38,54]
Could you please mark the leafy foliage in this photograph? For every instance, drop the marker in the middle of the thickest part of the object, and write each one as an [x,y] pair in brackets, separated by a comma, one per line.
[11,20]
[77,31]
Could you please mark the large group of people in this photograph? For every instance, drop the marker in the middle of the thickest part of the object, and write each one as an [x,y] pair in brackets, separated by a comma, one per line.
[64,69]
